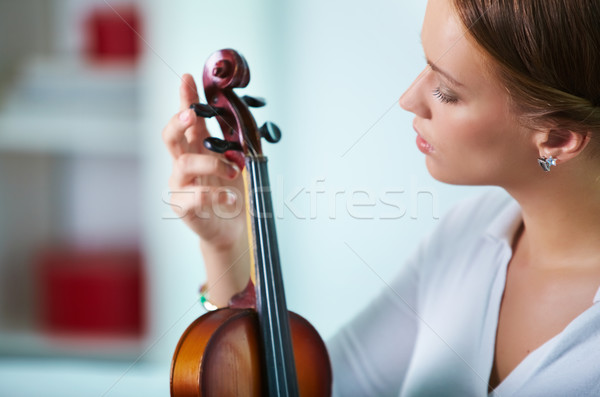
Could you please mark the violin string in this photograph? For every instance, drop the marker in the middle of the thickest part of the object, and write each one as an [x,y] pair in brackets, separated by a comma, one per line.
[270,287]
[417,315]
[266,305]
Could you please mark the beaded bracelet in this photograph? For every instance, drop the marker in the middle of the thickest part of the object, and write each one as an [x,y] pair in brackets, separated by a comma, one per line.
[206,303]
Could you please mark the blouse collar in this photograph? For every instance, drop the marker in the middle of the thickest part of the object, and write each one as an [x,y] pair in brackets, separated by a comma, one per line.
[505,225]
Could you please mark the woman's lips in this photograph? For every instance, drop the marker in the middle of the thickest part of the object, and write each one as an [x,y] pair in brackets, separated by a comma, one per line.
[424,146]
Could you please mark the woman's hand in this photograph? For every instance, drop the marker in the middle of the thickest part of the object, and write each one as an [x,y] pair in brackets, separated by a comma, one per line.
[207,191]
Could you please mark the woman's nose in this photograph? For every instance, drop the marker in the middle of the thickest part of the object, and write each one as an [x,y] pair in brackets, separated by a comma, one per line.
[414,99]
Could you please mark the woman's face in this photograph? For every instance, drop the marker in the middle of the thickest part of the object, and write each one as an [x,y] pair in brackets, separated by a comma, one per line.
[464,121]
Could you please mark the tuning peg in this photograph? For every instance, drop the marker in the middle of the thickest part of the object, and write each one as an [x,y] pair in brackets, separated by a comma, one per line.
[221,145]
[270,132]
[203,110]
[253,102]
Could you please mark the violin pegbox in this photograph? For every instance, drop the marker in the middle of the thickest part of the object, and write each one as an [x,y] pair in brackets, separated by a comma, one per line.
[225,70]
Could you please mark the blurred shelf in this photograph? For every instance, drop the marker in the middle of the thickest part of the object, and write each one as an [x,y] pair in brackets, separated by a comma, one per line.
[37,344]
[74,134]
[67,105]
[56,377]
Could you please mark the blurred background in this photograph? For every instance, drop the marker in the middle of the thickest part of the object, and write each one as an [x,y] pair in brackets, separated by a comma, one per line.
[98,278]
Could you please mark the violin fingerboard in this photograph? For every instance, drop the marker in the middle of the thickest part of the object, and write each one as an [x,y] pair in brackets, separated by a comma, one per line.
[270,298]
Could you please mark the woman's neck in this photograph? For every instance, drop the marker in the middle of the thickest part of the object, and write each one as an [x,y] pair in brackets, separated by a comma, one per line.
[561,216]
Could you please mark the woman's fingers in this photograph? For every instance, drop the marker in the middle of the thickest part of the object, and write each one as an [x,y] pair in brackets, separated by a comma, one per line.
[174,134]
[194,203]
[188,92]
[188,167]
[197,131]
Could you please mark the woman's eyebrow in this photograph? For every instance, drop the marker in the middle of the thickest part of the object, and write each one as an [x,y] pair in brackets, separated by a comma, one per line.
[436,69]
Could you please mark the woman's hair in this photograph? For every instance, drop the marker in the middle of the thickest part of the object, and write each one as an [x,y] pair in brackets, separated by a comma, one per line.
[546,53]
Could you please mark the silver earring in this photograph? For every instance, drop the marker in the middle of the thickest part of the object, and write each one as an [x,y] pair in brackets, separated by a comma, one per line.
[546,163]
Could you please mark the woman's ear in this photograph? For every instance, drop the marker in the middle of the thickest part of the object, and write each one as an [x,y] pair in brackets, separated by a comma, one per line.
[562,144]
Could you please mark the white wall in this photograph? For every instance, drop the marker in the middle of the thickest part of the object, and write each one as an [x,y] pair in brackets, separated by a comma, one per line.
[332,72]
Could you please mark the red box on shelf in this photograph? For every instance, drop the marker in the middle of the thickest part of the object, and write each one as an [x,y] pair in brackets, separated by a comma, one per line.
[112,33]
[91,293]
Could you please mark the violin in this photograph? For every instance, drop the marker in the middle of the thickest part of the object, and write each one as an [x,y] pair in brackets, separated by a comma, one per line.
[258,348]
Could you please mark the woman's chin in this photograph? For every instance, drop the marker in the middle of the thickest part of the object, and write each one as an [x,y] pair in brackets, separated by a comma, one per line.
[451,176]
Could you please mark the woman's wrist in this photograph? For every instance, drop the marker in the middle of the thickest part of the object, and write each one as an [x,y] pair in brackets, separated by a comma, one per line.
[227,271]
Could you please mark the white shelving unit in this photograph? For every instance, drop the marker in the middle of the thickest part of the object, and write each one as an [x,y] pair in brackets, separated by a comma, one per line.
[35,344]
[70,172]
[69,138]
[56,377]
[66,105]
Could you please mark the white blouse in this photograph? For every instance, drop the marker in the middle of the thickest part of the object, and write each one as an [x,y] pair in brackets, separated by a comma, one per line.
[432,332]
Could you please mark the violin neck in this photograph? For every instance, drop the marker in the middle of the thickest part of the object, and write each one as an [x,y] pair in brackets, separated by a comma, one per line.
[270,297]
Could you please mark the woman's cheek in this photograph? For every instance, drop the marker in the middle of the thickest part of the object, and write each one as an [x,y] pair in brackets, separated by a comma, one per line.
[453,131]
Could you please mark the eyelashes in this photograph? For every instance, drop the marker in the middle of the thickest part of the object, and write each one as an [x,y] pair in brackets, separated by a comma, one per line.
[443,97]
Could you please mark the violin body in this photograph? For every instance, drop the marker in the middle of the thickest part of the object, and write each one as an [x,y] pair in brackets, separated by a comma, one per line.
[219,356]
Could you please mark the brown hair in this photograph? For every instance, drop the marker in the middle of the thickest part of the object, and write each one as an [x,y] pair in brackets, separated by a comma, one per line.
[547,54]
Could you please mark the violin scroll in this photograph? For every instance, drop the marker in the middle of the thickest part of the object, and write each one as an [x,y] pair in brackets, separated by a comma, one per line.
[224,71]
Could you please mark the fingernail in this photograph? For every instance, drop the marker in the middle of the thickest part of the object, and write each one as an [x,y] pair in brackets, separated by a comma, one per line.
[230,197]
[234,170]
[184,116]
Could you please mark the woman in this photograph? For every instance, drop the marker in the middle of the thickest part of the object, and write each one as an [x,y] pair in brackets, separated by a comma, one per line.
[501,297]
